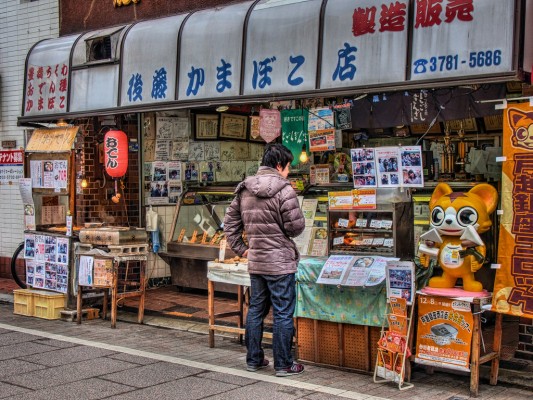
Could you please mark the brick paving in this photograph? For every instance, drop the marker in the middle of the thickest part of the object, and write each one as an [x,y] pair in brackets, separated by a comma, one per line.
[106,359]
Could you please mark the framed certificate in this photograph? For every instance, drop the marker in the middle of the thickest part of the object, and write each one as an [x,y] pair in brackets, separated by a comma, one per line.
[233,126]
[206,127]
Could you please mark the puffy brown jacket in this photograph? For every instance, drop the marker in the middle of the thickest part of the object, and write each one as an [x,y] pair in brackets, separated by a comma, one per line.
[267,208]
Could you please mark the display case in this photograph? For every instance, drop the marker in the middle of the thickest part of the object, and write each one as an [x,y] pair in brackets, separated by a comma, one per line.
[196,233]
[386,231]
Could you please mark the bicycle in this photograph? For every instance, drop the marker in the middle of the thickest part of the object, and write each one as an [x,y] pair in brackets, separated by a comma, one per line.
[18,266]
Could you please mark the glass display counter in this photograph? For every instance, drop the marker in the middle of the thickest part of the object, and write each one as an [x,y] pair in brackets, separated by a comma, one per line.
[196,232]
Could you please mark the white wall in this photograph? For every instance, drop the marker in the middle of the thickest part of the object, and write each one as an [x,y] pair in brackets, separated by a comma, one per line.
[22,24]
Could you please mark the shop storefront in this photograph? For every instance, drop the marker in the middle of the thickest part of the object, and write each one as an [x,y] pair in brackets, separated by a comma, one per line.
[363,90]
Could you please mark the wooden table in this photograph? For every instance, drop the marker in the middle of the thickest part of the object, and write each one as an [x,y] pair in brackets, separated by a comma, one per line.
[233,274]
[139,284]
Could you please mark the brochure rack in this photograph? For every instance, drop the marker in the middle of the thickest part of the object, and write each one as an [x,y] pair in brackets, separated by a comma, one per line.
[394,345]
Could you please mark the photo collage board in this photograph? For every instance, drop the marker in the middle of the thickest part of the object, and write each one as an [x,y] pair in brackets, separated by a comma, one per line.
[47,260]
[172,159]
[388,167]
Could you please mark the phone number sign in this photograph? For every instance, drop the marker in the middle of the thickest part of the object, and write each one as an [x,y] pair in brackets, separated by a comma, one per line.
[11,166]
[461,37]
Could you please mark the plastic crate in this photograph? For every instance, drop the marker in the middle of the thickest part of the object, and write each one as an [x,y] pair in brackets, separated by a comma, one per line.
[48,305]
[23,302]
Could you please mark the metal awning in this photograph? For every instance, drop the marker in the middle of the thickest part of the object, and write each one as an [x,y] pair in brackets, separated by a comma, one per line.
[274,49]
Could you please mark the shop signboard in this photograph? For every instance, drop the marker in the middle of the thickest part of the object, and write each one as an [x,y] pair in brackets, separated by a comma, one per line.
[444,333]
[462,38]
[47,77]
[365,43]
[210,53]
[150,79]
[512,286]
[282,47]
[11,166]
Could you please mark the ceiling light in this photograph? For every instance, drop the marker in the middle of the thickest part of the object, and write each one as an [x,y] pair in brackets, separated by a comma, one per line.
[222,108]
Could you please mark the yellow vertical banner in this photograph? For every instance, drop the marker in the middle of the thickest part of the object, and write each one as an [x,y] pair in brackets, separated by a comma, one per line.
[513,285]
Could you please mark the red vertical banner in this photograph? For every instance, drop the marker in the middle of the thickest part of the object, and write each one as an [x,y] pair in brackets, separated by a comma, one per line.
[513,286]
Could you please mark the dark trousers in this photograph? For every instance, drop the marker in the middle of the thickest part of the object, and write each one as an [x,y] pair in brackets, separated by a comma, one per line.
[280,291]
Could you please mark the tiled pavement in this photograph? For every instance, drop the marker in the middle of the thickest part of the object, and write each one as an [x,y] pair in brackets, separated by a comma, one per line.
[59,360]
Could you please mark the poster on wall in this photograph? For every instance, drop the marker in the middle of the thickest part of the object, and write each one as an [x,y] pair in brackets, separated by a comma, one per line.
[444,333]
[364,167]
[388,166]
[25,188]
[343,116]
[11,166]
[512,285]
[294,132]
[49,174]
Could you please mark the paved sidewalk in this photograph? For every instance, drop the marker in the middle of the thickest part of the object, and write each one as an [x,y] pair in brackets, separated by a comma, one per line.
[42,359]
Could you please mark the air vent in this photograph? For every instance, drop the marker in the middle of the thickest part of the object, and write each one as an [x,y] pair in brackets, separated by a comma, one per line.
[100,49]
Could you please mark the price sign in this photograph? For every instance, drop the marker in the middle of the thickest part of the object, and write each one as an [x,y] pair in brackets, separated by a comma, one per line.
[386,224]
[361,223]
[338,240]
[375,223]
[343,223]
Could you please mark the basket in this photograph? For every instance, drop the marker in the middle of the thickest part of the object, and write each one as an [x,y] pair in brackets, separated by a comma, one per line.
[48,305]
[23,302]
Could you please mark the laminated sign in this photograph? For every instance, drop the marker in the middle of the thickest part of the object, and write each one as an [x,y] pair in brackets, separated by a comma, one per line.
[444,333]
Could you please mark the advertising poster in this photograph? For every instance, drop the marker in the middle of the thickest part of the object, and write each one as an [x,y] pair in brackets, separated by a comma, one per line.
[444,333]
[334,269]
[401,280]
[364,167]
[11,166]
[294,132]
[49,174]
[85,272]
[322,140]
[411,164]
[388,166]
[512,285]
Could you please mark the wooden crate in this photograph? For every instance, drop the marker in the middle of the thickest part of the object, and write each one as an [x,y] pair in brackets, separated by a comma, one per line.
[346,346]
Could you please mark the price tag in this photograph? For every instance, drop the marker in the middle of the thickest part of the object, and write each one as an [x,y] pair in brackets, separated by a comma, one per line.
[181,236]
[361,223]
[338,240]
[388,242]
[375,223]
[378,241]
[69,225]
[343,223]
[386,224]
[222,250]
[367,241]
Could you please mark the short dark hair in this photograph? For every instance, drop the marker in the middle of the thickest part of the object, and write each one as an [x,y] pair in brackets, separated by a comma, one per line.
[276,154]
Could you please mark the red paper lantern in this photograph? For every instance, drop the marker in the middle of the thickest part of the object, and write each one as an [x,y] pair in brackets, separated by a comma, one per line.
[116,153]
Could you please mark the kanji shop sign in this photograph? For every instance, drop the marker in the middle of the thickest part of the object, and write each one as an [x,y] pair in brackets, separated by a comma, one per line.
[365,43]
[46,88]
[11,166]
[457,38]
[514,277]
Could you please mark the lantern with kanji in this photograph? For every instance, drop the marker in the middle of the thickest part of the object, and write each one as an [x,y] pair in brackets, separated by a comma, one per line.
[116,153]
